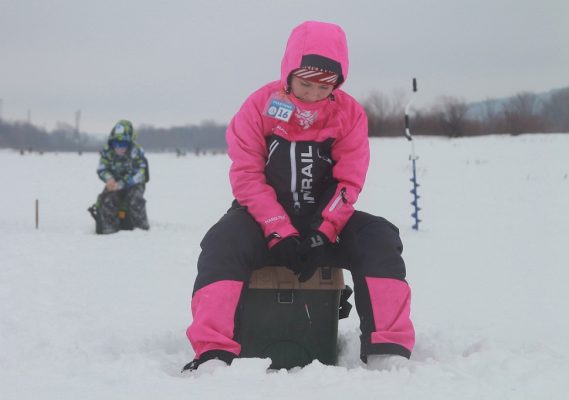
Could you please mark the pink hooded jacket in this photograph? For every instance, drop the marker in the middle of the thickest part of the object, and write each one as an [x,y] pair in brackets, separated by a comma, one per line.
[291,158]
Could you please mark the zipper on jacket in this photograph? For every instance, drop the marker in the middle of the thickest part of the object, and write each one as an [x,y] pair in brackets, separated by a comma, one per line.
[337,200]
[293,177]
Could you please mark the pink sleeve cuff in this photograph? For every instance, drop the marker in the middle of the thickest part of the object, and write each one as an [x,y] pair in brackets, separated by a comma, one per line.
[329,230]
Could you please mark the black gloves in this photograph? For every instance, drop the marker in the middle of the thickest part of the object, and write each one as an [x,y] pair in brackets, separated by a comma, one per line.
[285,252]
[301,257]
[311,254]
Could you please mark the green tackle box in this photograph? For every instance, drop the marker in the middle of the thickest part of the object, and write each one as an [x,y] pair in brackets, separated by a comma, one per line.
[291,323]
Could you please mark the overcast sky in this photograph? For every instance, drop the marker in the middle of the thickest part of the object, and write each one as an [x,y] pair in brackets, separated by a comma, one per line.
[178,62]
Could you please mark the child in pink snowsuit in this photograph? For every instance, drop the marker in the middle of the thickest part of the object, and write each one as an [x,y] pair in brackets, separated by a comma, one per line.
[300,153]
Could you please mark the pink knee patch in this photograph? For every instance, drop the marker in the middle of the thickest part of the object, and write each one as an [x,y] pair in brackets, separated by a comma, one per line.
[213,310]
[391,306]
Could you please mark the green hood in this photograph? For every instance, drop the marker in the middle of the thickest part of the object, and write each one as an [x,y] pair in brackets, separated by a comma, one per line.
[123,130]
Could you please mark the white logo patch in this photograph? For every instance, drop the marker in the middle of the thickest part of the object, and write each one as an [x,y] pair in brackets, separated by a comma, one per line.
[119,128]
[306,118]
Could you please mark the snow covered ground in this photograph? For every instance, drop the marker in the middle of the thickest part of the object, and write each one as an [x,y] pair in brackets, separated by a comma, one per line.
[103,317]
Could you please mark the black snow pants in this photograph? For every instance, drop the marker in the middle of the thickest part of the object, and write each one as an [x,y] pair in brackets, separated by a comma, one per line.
[369,247]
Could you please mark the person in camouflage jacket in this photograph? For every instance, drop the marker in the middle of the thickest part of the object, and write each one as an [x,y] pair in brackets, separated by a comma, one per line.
[124,169]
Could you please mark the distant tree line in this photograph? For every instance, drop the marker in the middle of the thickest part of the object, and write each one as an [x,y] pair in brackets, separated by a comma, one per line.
[209,136]
[28,137]
[525,112]
[22,136]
